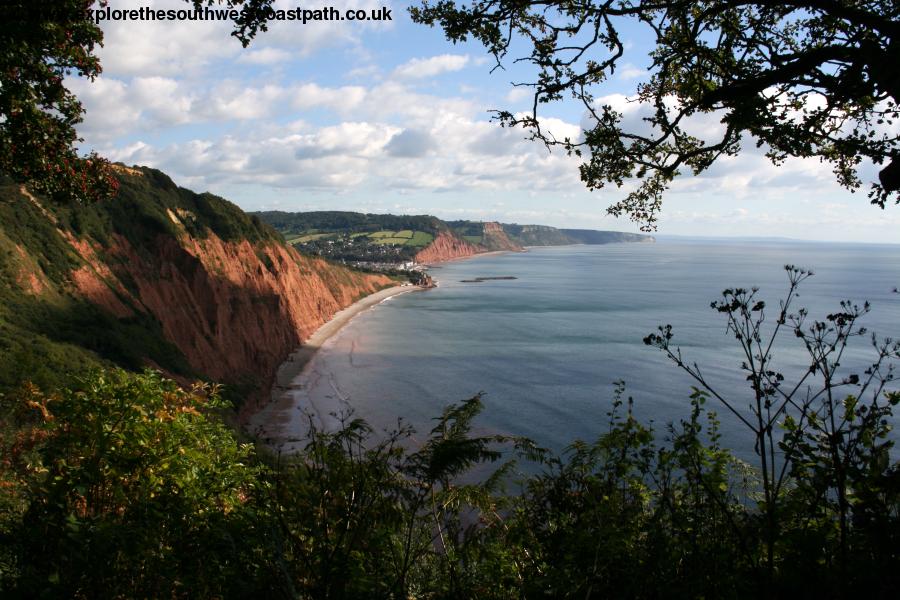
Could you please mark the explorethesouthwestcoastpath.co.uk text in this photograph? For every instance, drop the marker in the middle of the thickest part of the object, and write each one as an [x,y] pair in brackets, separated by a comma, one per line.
[299,15]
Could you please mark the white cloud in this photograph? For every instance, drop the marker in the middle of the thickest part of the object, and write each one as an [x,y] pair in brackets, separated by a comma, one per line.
[342,99]
[629,71]
[264,56]
[433,152]
[231,100]
[520,93]
[420,68]
[410,143]
[115,107]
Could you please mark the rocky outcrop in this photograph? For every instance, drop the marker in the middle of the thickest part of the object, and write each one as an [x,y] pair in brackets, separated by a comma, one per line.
[447,246]
[495,239]
[235,309]
[160,276]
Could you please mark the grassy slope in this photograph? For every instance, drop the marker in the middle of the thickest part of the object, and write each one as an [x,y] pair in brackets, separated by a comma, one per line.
[47,331]
[394,229]
[49,334]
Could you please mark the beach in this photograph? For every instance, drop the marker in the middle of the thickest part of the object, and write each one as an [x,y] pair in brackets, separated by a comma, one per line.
[282,423]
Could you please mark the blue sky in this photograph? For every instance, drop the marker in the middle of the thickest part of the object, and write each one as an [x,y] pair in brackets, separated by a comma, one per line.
[390,117]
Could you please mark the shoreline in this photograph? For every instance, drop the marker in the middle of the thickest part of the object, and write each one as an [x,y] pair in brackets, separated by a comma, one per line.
[470,256]
[296,361]
[271,421]
[275,423]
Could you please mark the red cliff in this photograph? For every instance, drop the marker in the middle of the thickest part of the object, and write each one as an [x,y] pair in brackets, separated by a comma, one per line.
[235,309]
[494,238]
[164,277]
[446,246]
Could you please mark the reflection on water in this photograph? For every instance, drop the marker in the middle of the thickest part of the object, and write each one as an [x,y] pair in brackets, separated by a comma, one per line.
[547,346]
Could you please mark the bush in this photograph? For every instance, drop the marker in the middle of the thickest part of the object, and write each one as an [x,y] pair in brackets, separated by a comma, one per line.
[127,486]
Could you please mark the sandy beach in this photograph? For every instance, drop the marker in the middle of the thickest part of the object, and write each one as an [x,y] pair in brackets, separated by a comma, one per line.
[281,423]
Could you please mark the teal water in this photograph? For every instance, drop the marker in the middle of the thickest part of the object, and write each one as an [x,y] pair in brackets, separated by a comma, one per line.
[547,347]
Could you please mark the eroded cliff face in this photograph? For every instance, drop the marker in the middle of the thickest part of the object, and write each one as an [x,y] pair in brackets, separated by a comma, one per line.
[447,246]
[164,268]
[494,239]
[235,309]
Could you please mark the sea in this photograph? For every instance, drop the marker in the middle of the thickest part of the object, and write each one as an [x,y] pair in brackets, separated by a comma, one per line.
[547,349]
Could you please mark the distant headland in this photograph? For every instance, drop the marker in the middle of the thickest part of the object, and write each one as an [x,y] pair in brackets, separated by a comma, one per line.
[406,243]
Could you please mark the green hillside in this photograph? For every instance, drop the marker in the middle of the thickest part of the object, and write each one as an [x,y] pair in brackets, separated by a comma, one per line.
[351,236]
[297,223]
[47,329]
[591,236]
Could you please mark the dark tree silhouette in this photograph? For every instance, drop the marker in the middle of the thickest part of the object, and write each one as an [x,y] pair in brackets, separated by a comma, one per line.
[806,78]
[41,42]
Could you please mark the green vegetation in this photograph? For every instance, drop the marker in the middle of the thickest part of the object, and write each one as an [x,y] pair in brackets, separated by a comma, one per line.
[349,223]
[360,239]
[123,485]
[49,333]
[391,238]
[420,239]
[749,66]
[140,210]
[406,237]
[307,238]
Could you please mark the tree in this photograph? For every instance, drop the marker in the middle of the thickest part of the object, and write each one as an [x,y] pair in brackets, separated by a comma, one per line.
[805,78]
[822,442]
[41,43]
[127,486]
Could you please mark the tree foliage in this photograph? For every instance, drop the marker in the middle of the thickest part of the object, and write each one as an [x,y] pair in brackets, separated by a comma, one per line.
[125,485]
[42,42]
[806,78]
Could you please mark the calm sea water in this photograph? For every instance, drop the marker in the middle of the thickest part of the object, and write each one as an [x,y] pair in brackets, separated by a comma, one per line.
[547,347]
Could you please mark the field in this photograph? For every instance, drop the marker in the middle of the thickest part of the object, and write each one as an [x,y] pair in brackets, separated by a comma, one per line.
[420,238]
[406,237]
[306,237]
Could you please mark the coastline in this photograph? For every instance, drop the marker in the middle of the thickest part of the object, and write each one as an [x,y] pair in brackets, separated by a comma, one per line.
[298,359]
[269,421]
[281,423]
[471,256]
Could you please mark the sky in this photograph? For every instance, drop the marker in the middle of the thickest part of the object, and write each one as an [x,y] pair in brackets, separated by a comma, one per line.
[390,117]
